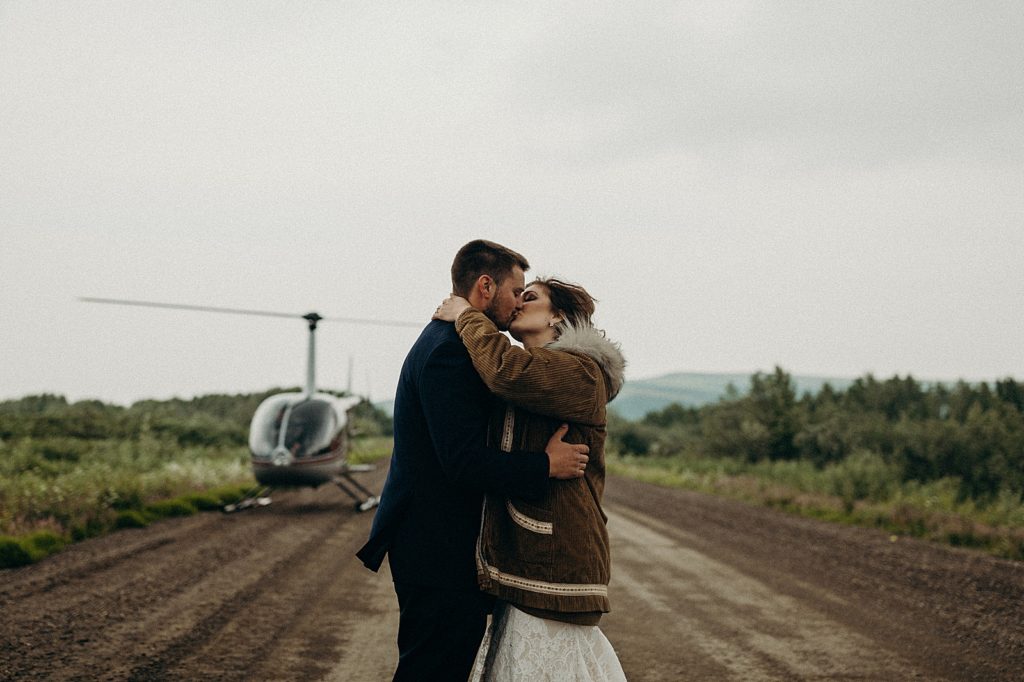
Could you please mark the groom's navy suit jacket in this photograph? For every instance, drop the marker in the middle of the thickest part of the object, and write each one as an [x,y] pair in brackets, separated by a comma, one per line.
[429,513]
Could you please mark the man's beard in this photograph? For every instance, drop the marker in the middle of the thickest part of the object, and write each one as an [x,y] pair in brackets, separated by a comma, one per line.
[492,312]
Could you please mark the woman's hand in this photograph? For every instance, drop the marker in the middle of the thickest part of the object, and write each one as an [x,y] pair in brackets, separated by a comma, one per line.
[450,308]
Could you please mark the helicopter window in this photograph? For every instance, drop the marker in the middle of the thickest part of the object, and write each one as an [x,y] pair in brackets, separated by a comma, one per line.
[311,428]
[265,431]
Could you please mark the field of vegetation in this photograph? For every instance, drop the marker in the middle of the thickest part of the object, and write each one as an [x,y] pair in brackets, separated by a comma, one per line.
[939,462]
[72,471]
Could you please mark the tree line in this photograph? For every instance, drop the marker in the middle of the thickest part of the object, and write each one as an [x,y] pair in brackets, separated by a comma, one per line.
[971,433]
[209,420]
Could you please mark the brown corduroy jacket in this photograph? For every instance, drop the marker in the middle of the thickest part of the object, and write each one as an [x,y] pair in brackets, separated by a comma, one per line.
[549,557]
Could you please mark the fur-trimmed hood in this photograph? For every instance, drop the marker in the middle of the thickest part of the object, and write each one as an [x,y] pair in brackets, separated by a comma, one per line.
[593,343]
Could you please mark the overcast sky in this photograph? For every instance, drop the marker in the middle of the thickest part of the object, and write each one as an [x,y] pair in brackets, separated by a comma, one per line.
[836,188]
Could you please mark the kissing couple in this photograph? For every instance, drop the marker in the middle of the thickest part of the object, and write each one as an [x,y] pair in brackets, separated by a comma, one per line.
[492,504]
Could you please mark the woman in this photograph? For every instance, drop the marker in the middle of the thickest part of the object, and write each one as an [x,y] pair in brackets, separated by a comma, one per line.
[546,561]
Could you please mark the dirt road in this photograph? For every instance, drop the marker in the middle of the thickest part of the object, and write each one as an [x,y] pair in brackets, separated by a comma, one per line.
[703,589]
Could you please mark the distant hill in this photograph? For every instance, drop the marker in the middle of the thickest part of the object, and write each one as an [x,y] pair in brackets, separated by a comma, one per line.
[693,389]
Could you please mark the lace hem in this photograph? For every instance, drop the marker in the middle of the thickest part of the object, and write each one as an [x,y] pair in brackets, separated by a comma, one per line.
[518,646]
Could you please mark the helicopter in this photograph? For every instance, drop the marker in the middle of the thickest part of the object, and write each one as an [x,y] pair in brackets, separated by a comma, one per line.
[299,438]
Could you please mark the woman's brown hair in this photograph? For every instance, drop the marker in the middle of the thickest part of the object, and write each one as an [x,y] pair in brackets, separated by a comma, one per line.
[571,301]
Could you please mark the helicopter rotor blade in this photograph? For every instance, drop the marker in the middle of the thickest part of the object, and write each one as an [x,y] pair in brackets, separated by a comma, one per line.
[384,323]
[179,306]
[241,311]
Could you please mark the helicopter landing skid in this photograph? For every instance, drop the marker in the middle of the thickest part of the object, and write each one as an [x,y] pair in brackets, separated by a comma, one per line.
[362,504]
[258,499]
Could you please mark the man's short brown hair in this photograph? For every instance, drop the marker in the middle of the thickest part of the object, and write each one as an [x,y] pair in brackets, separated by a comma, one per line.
[481,257]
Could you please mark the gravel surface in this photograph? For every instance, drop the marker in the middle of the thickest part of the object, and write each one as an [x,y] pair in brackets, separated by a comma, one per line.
[703,589]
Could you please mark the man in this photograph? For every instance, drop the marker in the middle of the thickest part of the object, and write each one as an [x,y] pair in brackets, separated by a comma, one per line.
[430,507]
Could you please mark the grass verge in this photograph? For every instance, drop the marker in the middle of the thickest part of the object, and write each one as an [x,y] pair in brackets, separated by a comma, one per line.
[115,485]
[859,492]
[26,549]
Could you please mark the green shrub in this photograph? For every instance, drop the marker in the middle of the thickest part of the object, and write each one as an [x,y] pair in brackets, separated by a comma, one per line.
[124,498]
[369,450]
[203,501]
[168,508]
[89,528]
[130,518]
[229,494]
[43,543]
[61,449]
[13,553]
[863,475]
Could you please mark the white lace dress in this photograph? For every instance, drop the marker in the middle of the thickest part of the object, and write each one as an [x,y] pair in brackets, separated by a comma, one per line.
[518,647]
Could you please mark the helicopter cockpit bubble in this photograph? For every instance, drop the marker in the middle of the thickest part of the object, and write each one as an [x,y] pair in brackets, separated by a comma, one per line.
[311,428]
[265,430]
[292,427]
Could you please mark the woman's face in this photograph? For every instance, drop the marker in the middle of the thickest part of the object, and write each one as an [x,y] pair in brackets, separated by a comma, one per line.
[535,314]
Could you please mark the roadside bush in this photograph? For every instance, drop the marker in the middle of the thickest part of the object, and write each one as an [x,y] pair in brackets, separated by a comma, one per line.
[43,543]
[203,501]
[634,440]
[61,449]
[130,518]
[369,421]
[13,553]
[823,440]
[90,527]
[169,508]
[370,450]
[16,552]
[229,494]
[863,475]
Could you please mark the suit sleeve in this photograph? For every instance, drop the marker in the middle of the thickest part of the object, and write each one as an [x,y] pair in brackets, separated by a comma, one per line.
[554,383]
[456,417]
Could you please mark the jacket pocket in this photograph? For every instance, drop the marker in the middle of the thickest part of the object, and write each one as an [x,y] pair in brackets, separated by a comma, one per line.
[532,530]
[533,519]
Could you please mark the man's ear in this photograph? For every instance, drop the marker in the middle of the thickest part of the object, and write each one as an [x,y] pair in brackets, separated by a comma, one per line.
[482,291]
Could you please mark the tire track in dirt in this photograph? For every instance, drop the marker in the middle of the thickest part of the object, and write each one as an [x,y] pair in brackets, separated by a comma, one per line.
[196,614]
[110,611]
[290,624]
[370,650]
[349,628]
[722,624]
